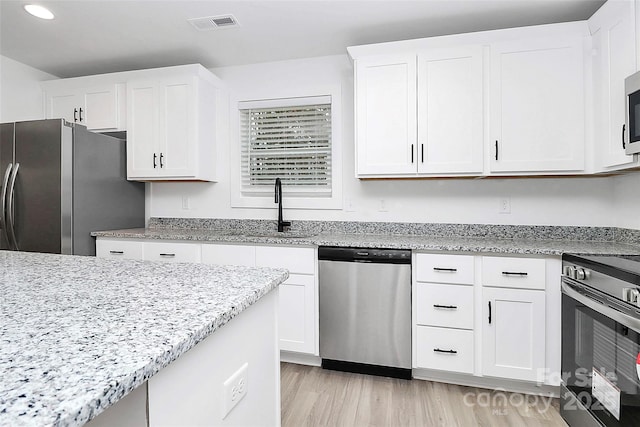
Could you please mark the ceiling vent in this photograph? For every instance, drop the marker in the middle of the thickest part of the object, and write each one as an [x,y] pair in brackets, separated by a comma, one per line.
[214,22]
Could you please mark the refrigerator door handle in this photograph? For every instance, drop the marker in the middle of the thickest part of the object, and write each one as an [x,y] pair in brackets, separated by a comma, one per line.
[3,214]
[11,206]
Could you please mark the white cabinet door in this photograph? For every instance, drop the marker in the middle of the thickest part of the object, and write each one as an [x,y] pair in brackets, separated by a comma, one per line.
[613,31]
[118,249]
[172,127]
[297,314]
[177,132]
[97,107]
[142,129]
[450,111]
[513,333]
[385,98]
[537,105]
[298,295]
[63,106]
[172,252]
[100,108]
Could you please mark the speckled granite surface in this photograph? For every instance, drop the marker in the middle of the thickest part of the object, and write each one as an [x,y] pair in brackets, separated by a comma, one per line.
[385,228]
[79,333]
[542,240]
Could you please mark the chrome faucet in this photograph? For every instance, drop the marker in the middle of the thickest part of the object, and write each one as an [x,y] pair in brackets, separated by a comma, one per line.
[281,224]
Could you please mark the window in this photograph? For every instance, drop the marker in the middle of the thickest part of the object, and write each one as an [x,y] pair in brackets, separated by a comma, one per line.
[291,141]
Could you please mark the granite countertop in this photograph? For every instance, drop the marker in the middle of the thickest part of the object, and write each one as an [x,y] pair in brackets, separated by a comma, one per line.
[392,241]
[79,333]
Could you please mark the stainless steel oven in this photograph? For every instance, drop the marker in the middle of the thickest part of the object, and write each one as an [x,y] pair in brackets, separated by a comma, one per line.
[601,341]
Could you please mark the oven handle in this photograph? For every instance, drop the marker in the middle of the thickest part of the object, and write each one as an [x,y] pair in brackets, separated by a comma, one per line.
[624,319]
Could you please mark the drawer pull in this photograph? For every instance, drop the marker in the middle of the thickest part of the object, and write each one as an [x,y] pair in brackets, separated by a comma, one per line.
[447,270]
[453,307]
[168,255]
[437,350]
[116,252]
[513,273]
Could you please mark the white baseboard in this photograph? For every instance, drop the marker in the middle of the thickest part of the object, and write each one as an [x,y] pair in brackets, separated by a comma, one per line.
[300,358]
[487,382]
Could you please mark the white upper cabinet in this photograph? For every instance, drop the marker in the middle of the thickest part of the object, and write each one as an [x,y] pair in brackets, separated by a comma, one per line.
[537,113]
[420,114]
[99,108]
[613,30]
[173,125]
[504,102]
[385,100]
[450,110]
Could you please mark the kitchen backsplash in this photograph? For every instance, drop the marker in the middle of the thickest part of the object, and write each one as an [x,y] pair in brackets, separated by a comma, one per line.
[537,232]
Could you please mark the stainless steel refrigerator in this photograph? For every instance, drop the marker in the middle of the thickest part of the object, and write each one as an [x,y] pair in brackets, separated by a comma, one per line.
[60,182]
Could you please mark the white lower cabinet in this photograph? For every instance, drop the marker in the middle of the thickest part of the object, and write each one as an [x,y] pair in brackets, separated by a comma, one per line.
[171,252]
[445,349]
[298,295]
[298,300]
[496,317]
[118,249]
[443,305]
[298,320]
[514,333]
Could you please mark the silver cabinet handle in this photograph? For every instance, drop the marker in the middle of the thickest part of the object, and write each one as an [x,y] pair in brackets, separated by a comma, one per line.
[3,216]
[168,255]
[117,252]
[437,350]
[11,206]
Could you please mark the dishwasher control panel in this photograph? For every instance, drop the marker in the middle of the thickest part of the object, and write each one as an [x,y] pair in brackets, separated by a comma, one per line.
[375,255]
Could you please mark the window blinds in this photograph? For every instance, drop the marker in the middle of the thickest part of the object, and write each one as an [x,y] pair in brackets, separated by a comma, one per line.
[292,142]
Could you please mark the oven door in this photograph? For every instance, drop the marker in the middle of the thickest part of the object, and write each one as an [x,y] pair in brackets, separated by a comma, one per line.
[600,355]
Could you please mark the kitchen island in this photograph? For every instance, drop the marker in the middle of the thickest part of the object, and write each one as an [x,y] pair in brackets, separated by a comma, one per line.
[78,334]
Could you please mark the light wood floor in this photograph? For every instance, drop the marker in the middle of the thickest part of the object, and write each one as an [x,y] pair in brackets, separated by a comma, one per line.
[312,396]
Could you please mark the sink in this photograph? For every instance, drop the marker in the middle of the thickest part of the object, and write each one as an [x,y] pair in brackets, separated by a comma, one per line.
[279,235]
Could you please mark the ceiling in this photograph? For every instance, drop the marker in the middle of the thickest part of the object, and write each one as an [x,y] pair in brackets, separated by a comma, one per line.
[100,36]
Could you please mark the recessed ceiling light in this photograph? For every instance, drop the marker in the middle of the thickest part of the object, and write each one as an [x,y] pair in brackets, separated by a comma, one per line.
[38,11]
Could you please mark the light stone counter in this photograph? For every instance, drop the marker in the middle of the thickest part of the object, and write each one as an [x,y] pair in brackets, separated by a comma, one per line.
[79,333]
[455,242]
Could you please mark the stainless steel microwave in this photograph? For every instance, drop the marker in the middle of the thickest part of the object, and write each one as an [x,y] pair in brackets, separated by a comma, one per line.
[631,136]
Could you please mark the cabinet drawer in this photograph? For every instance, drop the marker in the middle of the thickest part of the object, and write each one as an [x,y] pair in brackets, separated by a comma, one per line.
[444,305]
[504,272]
[442,268]
[297,260]
[172,252]
[229,254]
[118,249]
[444,349]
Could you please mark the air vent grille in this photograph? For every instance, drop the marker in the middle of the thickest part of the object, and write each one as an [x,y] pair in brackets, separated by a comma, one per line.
[214,22]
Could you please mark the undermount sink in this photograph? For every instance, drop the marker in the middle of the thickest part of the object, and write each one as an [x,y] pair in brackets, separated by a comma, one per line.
[279,235]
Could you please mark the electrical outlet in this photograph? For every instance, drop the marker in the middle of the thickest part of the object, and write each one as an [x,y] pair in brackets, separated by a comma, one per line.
[383,206]
[349,205]
[186,203]
[235,388]
[505,205]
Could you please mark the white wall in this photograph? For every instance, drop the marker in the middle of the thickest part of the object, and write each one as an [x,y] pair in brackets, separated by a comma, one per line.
[627,200]
[541,201]
[20,92]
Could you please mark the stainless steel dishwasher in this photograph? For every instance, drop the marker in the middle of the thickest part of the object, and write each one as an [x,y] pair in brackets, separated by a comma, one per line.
[365,310]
